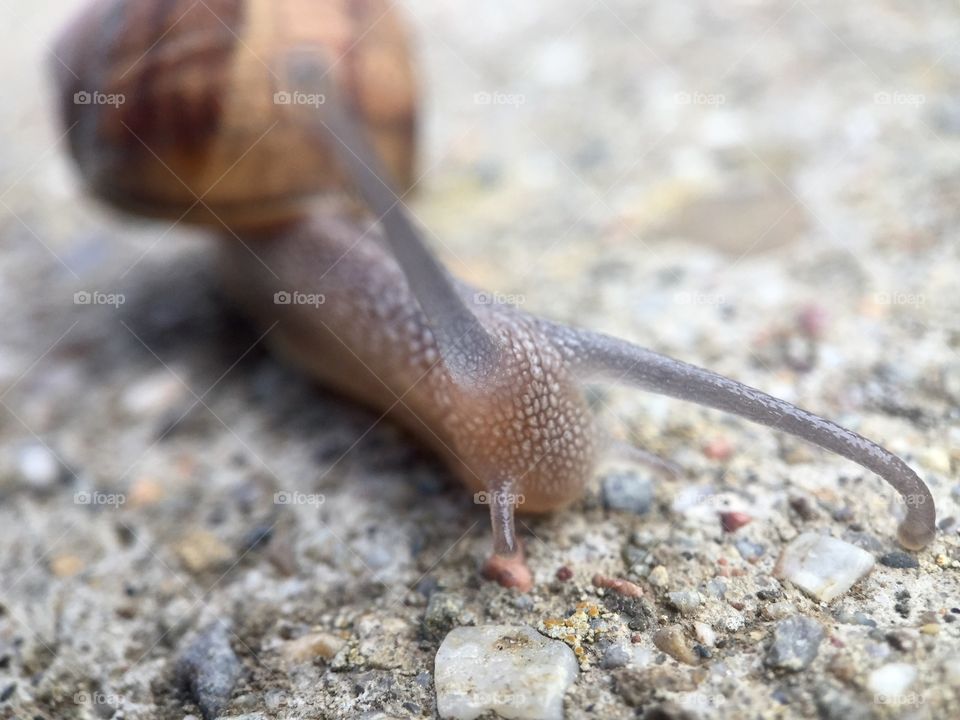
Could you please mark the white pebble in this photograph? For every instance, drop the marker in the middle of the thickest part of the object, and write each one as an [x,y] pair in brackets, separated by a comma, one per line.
[823,567]
[705,634]
[153,394]
[510,669]
[892,679]
[732,621]
[38,466]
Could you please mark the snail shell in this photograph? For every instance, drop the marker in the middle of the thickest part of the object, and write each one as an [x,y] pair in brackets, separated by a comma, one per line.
[171,101]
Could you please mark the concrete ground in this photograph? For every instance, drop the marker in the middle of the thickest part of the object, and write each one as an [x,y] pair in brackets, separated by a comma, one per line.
[766,189]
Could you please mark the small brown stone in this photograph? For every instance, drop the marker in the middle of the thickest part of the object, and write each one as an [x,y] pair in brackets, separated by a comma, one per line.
[145,492]
[673,642]
[843,668]
[733,521]
[718,449]
[311,646]
[201,551]
[64,566]
[618,585]
[659,577]
[639,687]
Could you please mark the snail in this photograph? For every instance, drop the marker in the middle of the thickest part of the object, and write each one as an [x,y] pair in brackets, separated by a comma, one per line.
[258,117]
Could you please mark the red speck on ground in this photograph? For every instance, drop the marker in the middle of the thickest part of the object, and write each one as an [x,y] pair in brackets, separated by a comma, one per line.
[733,521]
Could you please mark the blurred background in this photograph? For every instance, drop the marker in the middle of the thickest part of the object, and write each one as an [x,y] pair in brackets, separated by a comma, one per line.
[769,189]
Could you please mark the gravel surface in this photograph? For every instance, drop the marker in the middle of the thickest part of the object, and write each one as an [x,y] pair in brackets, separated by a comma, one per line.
[767,189]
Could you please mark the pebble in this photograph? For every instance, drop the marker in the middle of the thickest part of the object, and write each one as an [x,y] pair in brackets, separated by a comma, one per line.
[823,567]
[311,646]
[769,594]
[673,642]
[208,668]
[899,559]
[796,641]
[718,449]
[615,656]
[901,640]
[686,602]
[618,585]
[628,492]
[145,492]
[513,671]
[638,687]
[732,521]
[153,394]
[38,467]
[705,634]
[749,550]
[892,679]
[256,538]
[855,617]
[201,551]
[659,577]
[732,621]
[716,587]
[66,565]
[778,610]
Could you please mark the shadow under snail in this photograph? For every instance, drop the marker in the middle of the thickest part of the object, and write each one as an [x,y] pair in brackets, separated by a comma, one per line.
[240,114]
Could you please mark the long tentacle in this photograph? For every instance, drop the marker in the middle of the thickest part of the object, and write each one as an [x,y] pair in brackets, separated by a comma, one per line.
[607,358]
[468,351]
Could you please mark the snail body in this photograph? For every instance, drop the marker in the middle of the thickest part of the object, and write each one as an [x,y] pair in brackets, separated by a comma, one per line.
[498,392]
[360,329]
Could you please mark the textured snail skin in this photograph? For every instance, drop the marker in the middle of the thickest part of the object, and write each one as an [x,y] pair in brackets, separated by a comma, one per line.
[528,424]
[522,440]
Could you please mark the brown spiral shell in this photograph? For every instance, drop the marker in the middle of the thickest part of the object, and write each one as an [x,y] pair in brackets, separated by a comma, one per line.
[175,108]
